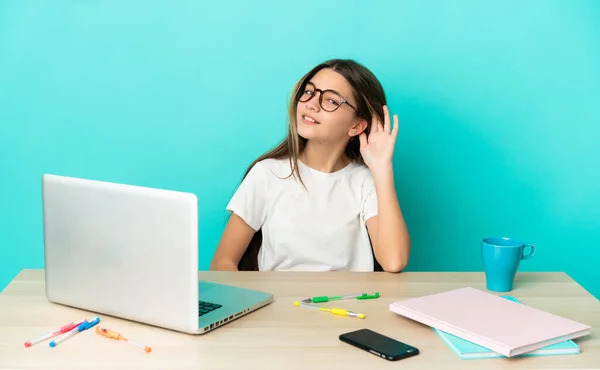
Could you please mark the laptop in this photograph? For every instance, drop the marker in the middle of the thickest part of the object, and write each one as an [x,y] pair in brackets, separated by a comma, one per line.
[132,252]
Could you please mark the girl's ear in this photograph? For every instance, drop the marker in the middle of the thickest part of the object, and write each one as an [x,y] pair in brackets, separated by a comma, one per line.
[358,128]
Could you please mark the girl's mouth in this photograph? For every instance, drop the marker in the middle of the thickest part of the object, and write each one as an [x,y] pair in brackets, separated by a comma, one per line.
[309,120]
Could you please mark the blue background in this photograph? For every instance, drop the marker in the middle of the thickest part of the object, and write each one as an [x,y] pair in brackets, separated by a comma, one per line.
[498,102]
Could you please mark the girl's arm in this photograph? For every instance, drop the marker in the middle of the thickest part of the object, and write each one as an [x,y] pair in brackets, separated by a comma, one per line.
[388,232]
[247,208]
[233,244]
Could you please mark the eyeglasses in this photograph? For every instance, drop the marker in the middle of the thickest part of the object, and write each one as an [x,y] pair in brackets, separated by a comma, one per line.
[329,100]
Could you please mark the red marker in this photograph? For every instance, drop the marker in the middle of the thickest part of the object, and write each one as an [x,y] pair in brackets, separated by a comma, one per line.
[62,330]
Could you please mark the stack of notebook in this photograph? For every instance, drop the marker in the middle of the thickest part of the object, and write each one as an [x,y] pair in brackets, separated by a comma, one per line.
[467,350]
[479,324]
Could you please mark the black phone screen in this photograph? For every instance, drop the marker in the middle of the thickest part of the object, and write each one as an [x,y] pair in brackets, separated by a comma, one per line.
[379,345]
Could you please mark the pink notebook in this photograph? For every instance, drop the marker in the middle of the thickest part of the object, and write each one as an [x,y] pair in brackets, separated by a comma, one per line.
[501,325]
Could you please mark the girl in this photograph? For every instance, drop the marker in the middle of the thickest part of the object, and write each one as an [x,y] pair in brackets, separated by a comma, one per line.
[324,199]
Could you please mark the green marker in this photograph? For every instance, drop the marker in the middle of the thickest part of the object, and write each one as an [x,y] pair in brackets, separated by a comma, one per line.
[341,297]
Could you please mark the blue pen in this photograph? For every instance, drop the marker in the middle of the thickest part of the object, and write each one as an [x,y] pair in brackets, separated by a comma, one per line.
[83,326]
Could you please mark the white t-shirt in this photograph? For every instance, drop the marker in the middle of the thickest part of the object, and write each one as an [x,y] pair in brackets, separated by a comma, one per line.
[320,228]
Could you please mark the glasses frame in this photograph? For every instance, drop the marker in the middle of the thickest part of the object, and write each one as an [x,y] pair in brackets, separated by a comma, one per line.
[321,92]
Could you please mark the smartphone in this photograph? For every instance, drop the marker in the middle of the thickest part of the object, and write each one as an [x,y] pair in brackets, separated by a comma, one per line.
[379,345]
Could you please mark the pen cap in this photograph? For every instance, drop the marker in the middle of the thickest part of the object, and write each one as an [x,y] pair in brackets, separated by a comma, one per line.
[367,296]
[90,324]
[82,326]
[107,333]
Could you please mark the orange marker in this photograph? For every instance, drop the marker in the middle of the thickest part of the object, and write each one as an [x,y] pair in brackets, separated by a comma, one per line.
[114,335]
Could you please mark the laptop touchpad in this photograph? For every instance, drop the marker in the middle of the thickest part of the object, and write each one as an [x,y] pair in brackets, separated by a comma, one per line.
[205,286]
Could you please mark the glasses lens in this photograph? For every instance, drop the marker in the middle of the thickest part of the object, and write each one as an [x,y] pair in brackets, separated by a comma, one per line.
[309,92]
[331,101]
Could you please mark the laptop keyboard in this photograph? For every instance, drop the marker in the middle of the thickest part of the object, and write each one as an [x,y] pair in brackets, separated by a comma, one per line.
[206,307]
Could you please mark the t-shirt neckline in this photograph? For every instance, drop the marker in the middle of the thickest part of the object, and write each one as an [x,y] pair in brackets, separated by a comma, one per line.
[328,174]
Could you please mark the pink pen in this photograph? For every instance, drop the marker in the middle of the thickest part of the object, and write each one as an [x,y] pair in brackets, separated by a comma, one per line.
[62,330]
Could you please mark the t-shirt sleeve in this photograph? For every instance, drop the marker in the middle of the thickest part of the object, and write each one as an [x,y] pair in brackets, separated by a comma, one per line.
[369,206]
[249,200]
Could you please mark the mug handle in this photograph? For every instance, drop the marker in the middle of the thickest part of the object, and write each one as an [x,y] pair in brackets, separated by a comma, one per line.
[531,252]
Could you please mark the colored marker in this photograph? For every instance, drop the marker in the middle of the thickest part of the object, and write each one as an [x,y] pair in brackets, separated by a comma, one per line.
[61,330]
[341,297]
[335,311]
[81,327]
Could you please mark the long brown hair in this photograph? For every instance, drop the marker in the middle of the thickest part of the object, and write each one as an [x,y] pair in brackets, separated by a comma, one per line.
[370,98]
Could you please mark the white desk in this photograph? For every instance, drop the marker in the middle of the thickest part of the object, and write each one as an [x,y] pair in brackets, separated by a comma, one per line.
[281,336]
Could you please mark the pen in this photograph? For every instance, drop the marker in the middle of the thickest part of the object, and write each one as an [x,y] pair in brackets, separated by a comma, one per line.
[335,311]
[341,297]
[81,327]
[61,330]
[114,335]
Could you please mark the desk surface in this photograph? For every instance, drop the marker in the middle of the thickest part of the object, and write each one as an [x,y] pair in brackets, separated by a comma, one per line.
[281,336]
